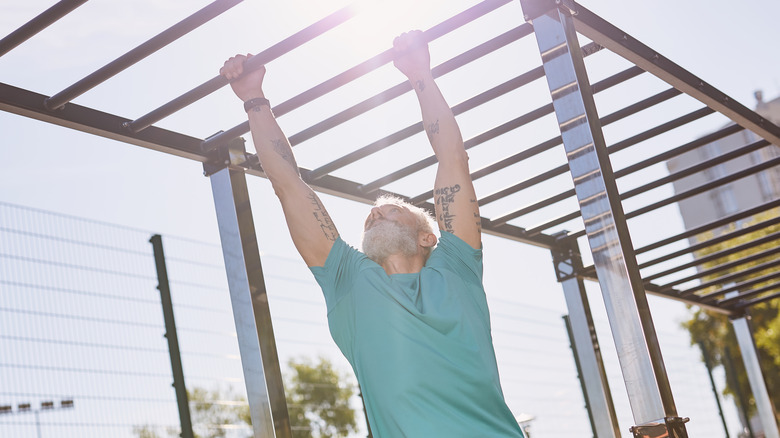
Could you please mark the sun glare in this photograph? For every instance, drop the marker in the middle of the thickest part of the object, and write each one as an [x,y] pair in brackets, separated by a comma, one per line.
[378,22]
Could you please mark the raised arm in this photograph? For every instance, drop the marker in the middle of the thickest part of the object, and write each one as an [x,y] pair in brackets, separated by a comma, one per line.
[456,203]
[310,225]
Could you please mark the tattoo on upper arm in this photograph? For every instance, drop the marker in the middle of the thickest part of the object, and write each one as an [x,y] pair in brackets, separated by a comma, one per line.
[444,196]
[477,217]
[323,218]
[420,86]
[283,149]
[432,129]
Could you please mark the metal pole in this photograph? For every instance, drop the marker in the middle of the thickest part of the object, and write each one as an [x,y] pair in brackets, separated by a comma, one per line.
[640,357]
[257,346]
[755,377]
[151,46]
[731,374]
[37,24]
[570,332]
[708,363]
[584,342]
[172,336]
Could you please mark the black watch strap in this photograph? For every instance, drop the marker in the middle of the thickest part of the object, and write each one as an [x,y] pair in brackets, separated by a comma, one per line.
[256,102]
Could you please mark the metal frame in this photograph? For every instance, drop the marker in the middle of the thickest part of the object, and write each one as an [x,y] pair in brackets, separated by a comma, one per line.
[251,311]
[584,341]
[637,346]
[172,336]
[652,276]
[766,412]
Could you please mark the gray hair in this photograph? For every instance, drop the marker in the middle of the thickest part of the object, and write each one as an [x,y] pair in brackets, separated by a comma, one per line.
[425,220]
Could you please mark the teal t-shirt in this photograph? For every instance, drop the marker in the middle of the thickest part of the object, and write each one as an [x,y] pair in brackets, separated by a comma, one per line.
[420,344]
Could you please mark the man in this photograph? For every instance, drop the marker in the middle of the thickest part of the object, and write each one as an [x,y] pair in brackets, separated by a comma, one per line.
[412,320]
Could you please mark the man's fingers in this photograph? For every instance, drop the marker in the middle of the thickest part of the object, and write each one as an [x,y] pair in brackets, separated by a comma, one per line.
[233,67]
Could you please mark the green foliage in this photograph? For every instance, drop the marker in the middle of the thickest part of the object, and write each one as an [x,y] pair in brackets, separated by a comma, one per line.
[145,431]
[715,331]
[215,412]
[318,400]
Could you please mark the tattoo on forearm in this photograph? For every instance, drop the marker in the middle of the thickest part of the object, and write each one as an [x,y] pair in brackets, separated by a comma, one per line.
[283,149]
[420,86]
[444,196]
[432,129]
[323,218]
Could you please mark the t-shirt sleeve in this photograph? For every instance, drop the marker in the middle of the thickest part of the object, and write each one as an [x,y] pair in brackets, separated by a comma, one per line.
[336,276]
[455,254]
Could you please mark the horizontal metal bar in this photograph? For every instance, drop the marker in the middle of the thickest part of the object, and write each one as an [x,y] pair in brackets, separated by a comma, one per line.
[590,274]
[611,118]
[713,241]
[37,24]
[142,51]
[560,170]
[359,70]
[299,38]
[653,289]
[705,187]
[548,144]
[730,278]
[557,221]
[418,127]
[715,256]
[468,144]
[639,106]
[665,156]
[29,104]
[602,32]
[565,167]
[711,225]
[696,168]
[740,287]
[349,190]
[753,302]
[670,153]
[723,267]
[452,64]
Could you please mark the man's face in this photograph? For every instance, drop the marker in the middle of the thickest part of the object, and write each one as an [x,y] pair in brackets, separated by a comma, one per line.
[390,212]
[389,229]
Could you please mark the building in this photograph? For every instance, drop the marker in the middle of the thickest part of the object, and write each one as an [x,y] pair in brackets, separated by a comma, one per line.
[739,195]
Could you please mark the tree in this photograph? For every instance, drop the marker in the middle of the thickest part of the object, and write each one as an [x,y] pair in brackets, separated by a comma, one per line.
[715,331]
[215,412]
[318,399]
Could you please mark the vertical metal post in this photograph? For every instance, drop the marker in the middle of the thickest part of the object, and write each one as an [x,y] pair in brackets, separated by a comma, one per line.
[708,363]
[731,375]
[172,335]
[643,370]
[753,367]
[580,377]
[257,346]
[585,345]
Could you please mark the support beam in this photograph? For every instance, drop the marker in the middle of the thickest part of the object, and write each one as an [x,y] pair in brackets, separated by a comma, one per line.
[640,358]
[757,384]
[256,342]
[585,342]
[182,400]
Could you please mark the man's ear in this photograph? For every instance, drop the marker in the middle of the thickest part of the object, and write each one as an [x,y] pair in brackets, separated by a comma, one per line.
[426,239]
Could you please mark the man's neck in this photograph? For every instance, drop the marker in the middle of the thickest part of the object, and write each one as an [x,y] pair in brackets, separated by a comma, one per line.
[401,264]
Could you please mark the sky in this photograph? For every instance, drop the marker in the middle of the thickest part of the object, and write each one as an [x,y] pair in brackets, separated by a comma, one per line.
[728,44]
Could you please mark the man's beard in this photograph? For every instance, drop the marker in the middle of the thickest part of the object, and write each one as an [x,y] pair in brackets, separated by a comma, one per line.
[387,238]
